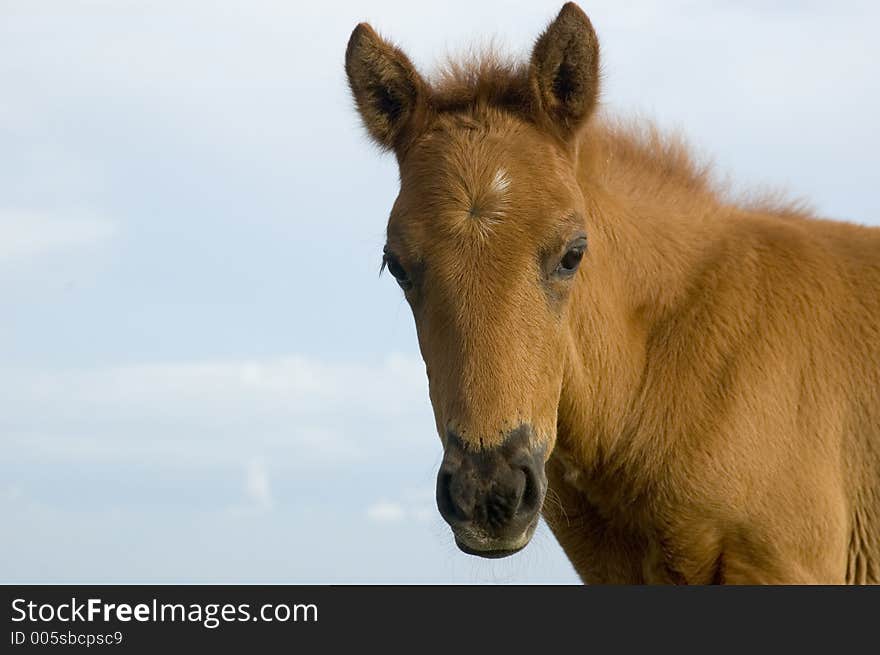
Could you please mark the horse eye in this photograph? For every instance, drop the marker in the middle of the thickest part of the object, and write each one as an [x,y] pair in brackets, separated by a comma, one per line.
[396,269]
[572,258]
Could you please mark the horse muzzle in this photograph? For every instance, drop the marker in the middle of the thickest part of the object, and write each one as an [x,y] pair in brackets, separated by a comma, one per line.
[491,498]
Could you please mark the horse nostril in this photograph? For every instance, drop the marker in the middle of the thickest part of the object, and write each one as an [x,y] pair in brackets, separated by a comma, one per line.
[444,498]
[452,500]
[531,496]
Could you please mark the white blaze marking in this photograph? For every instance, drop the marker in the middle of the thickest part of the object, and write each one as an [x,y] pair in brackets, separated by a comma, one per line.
[500,183]
[487,205]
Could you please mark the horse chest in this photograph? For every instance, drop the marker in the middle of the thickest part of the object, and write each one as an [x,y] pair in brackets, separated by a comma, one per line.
[613,535]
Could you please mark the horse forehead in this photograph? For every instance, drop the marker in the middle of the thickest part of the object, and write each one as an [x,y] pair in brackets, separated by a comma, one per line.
[483,196]
[474,189]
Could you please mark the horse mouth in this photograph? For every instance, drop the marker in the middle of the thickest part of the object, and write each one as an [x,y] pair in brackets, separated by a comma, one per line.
[492,553]
[477,542]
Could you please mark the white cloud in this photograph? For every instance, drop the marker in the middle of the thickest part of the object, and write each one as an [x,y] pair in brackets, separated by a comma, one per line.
[26,234]
[256,484]
[304,410]
[296,385]
[386,512]
[11,493]
[416,505]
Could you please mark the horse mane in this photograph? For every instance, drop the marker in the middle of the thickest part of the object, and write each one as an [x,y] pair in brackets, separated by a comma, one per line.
[640,147]
[634,145]
[483,78]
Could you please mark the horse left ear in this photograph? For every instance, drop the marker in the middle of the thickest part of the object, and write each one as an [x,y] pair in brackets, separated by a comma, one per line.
[564,71]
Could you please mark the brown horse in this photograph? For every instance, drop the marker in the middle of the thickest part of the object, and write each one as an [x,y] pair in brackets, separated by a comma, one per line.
[689,388]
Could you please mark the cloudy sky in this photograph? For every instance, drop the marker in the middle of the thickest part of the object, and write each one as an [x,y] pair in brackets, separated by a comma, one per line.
[203,378]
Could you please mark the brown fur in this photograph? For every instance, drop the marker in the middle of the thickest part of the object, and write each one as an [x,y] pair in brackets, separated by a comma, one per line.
[708,384]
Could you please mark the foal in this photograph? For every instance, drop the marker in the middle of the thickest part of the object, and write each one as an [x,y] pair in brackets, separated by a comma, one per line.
[689,389]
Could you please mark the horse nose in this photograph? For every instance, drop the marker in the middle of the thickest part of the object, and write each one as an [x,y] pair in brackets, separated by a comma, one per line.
[494,493]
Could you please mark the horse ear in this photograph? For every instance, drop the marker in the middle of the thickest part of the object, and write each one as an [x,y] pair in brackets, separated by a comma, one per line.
[386,87]
[564,70]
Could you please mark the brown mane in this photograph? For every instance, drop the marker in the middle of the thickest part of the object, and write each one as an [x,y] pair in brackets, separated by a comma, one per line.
[481,79]
[467,85]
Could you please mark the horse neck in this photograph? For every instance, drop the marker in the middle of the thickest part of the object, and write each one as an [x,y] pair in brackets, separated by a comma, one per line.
[652,237]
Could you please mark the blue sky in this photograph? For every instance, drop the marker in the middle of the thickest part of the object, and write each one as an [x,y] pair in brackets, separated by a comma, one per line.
[203,377]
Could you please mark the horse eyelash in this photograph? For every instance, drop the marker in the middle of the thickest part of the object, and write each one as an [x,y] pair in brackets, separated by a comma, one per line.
[384,260]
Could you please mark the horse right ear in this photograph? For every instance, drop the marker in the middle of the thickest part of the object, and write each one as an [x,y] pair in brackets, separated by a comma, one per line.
[386,87]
